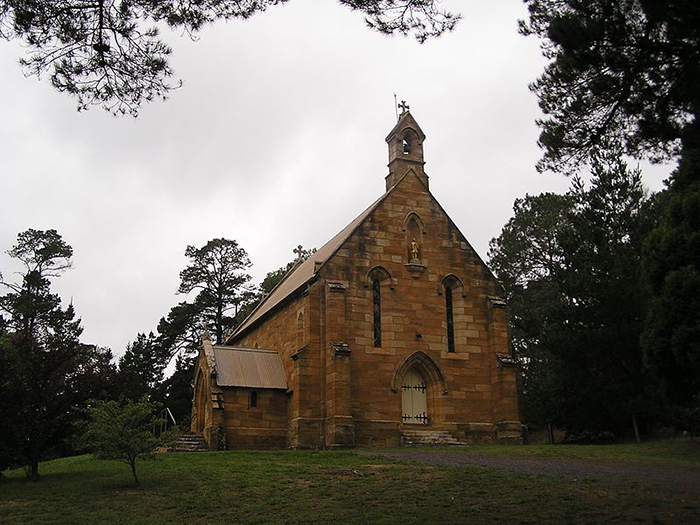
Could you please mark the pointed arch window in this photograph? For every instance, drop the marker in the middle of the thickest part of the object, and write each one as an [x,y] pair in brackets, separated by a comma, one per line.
[377,311]
[450,320]
[253,399]
[378,278]
[453,290]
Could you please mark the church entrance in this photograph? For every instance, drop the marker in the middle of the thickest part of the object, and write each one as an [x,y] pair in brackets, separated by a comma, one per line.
[414,399]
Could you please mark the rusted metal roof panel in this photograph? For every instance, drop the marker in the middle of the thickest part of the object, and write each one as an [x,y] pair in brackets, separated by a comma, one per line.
[249,367]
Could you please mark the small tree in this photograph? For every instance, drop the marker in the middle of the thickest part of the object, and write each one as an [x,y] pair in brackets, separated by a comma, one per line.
[123,431]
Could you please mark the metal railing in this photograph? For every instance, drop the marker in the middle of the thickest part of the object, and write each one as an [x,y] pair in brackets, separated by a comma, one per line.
[167,422]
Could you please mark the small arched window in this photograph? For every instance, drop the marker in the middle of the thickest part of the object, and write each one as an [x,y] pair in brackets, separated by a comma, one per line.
[450,320]
[253,399]
[377,309]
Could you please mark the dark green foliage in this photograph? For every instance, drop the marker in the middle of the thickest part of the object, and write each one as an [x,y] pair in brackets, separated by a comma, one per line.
[46,372]
[672,260]
[123,431]
[109,53]
[527,257]
[179,331]
[624,74]
[141,367]
[603,317]
[621,72]
[217,272]
[571,266]
[271,280]
[179,336]
[178,390]
[420,17]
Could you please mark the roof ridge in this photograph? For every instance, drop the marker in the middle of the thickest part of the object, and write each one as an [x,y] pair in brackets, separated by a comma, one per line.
[337,240]
[245,349]
[265,296]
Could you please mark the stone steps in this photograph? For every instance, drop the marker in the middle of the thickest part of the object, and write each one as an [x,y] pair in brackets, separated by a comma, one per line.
[189,442]
[417,438]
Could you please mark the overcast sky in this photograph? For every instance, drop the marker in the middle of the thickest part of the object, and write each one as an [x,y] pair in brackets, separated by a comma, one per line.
[275,139]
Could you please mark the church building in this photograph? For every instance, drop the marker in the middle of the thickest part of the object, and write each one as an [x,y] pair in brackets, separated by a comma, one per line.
[394,331]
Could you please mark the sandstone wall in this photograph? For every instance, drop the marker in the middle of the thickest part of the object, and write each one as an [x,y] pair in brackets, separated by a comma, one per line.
[263,426]
[481,399]
[301,360]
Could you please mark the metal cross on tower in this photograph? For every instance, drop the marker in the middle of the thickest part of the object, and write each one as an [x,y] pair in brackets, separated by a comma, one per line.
[404,107]
[299,251]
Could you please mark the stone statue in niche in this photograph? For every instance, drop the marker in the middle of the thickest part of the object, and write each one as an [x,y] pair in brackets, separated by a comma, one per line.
[414,251]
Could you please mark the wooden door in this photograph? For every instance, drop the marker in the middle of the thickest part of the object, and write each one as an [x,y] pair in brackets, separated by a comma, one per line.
[413,399]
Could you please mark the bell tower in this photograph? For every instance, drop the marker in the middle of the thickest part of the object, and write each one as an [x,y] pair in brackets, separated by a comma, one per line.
[405,148]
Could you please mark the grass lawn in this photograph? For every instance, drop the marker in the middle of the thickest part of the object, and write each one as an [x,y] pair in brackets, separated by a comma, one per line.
[671,452]
[339,488]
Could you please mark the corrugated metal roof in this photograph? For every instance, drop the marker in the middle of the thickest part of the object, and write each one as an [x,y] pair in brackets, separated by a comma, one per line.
[249,367]
[302,273]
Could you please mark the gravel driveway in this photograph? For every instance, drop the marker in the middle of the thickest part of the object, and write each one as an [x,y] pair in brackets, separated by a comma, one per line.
[675,477]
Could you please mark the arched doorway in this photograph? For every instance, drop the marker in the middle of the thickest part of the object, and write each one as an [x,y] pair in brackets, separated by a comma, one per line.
[414,398]
[422,386]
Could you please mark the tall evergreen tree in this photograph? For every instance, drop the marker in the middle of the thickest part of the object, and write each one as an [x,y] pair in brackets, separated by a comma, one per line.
[528,259]
[625,73]
[672,261]
[602,320]
[217,272]
[46,372]
[141,367]
[572,268]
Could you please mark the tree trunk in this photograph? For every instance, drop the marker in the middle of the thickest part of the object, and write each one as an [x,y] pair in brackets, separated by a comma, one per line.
[219,324]
[636,428]
[34,471]
[550,433]
[132,462]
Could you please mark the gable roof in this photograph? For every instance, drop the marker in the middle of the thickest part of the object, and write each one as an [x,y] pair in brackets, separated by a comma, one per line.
[302,273]
[249,367]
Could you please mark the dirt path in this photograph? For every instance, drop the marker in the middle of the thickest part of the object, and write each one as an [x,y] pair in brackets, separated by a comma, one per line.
[674,477]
